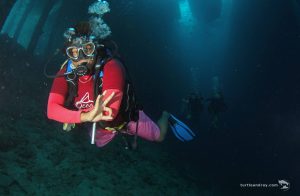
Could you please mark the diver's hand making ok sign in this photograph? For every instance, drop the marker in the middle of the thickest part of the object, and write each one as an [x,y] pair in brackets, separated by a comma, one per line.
[100,110]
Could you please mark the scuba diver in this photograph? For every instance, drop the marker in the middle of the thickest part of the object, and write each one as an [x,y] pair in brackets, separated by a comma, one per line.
[192,107]
[216,104]
[93,87]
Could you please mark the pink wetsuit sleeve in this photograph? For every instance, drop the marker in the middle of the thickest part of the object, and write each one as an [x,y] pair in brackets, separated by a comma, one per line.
[114,81]
[56,110]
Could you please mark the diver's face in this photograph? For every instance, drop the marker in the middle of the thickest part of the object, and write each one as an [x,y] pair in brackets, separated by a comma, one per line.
[88,61]
[74,52]
[78,52]
[80,56]
[89,49]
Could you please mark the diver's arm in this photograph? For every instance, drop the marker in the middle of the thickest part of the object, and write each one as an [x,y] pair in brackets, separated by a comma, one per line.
[56,109]
[58,112]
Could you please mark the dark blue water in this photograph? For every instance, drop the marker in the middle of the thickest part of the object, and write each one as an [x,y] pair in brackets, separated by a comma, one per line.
[171,50]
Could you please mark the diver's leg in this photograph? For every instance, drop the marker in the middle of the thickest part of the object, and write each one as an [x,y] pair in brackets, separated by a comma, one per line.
[148,129]
[145,128]
[163,125]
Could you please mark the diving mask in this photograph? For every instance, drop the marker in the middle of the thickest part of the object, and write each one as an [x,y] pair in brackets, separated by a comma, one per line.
[88,49]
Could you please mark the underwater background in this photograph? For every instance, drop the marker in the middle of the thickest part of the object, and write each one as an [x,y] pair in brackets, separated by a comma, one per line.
[247,49]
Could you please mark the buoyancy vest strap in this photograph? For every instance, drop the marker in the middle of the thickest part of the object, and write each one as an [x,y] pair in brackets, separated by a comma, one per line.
[62,66]
[98,69]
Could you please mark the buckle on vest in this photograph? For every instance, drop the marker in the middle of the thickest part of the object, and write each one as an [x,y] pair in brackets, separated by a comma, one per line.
[116,129]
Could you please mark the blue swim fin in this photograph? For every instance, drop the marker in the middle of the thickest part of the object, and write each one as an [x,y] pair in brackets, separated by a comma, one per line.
[180,130]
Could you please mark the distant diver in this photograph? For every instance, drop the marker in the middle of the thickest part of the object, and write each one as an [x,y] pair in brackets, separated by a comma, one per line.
[93,87]
[216,104]
[193,107]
